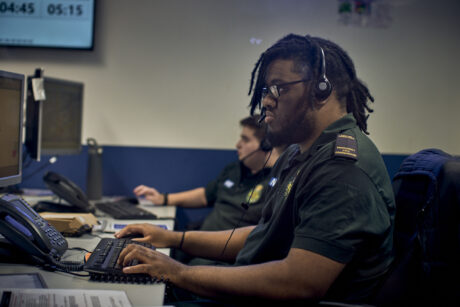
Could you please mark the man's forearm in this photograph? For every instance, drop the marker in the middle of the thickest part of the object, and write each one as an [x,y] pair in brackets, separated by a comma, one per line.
[211,244]
[301,275]
[195,198]
[271,280]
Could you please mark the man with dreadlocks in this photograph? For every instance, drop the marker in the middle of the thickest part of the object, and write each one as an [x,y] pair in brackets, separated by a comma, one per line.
[327,224]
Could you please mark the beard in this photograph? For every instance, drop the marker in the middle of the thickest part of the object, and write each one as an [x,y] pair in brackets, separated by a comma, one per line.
[293,131]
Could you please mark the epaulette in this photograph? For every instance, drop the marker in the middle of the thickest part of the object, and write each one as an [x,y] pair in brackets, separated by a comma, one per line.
[346,147]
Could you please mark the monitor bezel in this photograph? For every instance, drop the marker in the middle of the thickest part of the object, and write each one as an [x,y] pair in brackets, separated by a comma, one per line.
[33,124]
[16,178]
[61,47]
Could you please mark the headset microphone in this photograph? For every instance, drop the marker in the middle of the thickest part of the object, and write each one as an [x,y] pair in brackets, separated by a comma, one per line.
[250,154]
[264,146]
[262,115]
[245,205]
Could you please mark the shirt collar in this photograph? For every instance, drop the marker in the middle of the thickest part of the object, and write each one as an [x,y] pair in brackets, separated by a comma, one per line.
[247,174]
[328,135]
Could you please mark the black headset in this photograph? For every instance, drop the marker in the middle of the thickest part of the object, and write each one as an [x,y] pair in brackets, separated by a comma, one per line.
[265,145]
[323,87]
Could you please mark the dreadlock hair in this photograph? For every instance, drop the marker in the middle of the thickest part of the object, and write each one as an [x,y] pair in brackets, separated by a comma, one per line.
[305,51]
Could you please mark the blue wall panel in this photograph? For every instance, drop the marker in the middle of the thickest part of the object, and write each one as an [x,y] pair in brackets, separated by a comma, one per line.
[393,162]
[167,169]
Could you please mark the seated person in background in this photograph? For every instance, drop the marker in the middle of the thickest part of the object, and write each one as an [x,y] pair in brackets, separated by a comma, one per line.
[326,230]
[243,181]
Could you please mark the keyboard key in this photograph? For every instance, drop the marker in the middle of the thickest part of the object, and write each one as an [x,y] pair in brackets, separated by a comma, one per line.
[102,264]
[123,210]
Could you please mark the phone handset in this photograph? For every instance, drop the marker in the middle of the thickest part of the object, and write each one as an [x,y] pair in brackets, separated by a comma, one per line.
[26,229]
[68,190]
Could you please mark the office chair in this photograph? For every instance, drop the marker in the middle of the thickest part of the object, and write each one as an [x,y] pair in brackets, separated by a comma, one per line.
[427,233]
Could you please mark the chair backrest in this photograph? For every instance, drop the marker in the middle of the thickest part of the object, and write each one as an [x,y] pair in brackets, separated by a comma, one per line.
[427,234]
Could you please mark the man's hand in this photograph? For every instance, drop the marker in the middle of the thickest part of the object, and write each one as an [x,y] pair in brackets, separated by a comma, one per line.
[149,193]
[152,234]
[151,262]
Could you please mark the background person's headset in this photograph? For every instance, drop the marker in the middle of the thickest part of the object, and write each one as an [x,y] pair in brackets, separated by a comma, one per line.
[264,146]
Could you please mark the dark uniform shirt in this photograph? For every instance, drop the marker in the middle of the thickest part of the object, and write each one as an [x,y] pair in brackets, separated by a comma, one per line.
[229,190]
[335,200]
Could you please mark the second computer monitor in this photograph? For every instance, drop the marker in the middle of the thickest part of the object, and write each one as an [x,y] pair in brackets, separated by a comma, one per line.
[60,120]
[11,117]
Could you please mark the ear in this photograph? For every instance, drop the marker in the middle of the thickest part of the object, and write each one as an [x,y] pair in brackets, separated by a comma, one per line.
[319,103]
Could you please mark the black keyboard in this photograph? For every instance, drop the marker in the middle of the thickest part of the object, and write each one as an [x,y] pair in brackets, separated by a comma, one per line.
[124,210]
[102,264]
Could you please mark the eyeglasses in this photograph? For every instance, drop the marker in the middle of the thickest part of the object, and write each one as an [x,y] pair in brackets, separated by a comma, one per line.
[276,89]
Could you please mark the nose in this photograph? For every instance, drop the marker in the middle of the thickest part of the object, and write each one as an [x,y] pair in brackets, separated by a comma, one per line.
[237,145]
[268,101]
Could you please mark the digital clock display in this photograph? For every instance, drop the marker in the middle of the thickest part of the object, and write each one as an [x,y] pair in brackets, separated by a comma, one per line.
[47,23]
[15,8]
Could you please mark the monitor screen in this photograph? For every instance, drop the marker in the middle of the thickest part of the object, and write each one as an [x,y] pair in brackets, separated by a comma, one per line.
[62,115]
[11,117]
[46,23]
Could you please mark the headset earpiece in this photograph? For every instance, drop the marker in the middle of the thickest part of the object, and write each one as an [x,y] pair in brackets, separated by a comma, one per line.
[323,87]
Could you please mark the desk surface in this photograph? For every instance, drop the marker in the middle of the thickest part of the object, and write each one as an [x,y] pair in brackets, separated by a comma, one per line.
[138,294]
[162,212]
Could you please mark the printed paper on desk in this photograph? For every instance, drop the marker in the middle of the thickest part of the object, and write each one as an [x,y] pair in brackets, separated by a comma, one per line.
[64,297]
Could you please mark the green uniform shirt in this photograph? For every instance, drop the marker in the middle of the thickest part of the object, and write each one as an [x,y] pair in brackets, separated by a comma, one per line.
[335,200]
[228,191]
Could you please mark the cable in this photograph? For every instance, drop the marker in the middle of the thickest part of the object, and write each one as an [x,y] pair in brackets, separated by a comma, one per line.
[26,161]
[52,160]
[67,267]
[245,206]
[76,274]
[79,249]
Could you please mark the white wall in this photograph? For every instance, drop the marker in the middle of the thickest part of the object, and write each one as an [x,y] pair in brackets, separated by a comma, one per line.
[176,73]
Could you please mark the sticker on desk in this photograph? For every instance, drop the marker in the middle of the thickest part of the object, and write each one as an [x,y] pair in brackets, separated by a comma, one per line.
[113,227]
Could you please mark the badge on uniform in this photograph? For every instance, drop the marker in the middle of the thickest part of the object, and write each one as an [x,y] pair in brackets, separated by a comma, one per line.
[346,147]
[255,194]
[291,184]
[228,183]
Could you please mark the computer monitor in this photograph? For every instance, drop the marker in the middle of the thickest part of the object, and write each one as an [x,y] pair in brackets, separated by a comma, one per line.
[56,128]
[11,120]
